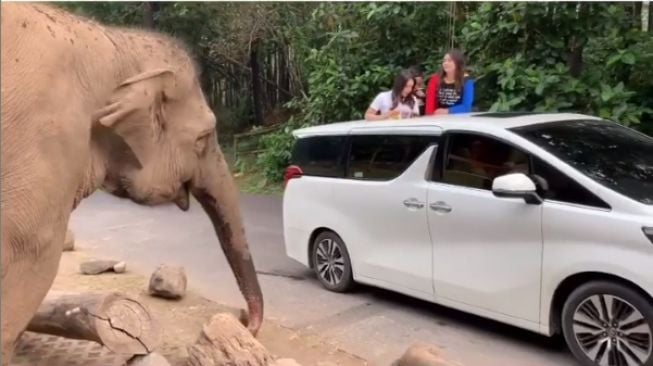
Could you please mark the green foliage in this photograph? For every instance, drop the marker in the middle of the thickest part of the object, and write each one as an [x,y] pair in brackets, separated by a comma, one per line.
[278,147]
[551,57]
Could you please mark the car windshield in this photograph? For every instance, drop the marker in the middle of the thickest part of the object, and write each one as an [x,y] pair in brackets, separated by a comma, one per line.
[613,155]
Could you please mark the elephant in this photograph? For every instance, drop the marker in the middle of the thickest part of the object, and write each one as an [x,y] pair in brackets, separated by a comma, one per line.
[87,106]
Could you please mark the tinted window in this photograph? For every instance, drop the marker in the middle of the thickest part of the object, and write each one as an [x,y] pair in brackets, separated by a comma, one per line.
[562,188]
[613,155]
[320,155]
[384,157]
[474,161]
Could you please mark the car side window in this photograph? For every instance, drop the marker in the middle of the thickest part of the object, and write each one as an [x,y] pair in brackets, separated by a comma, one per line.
[564,189]
[320,156]
[474,160]
[384,157]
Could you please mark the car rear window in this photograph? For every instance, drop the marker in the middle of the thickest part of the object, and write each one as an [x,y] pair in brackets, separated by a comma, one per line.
[320,156]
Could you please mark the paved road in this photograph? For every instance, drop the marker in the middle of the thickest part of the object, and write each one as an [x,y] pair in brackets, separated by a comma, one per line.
[374,324]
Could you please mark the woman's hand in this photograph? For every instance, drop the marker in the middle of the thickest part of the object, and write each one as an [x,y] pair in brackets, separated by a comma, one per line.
[370,115]
[442,111]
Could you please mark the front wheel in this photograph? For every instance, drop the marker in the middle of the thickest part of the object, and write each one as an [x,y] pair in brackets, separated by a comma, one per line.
[608,324]
[331,262]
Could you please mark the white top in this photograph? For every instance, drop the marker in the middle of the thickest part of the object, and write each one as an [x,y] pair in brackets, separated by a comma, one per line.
[383,103]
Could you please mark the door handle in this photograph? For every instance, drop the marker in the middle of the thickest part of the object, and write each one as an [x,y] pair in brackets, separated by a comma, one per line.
[413,203]
[440,206]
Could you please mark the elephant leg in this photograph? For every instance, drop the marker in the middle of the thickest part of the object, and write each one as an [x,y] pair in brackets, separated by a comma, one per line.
[26,281]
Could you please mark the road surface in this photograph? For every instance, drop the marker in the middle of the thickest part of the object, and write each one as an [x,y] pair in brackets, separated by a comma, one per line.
[374,324]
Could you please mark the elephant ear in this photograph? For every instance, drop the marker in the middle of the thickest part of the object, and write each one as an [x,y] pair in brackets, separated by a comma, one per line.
[139,92]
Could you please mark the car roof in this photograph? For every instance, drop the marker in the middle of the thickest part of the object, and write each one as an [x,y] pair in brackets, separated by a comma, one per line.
[479,121]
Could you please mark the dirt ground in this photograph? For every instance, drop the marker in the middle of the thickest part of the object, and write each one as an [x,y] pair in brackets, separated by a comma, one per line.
[181,321]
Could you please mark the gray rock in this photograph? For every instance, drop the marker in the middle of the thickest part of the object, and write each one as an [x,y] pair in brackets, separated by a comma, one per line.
[97,266]
[120,267]
[168,282]
[69,241]
[150,359]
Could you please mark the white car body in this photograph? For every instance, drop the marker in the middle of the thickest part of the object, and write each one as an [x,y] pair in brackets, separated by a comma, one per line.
[499,258]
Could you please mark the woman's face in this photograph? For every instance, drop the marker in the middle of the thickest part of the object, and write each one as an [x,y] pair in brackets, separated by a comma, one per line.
[408,88]
[448,65]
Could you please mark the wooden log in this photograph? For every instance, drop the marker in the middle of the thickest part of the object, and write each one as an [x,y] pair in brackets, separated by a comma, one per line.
[225,341]
[150,359]
[116,321]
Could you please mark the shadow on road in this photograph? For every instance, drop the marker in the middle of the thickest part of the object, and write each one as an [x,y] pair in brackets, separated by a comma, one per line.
[449,317]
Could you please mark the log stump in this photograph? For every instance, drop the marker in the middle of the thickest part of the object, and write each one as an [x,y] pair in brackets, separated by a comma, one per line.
[225,341]
[116,321]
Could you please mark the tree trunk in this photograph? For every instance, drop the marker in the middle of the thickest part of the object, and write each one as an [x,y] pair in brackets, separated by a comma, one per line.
[113,320]
[149,8]
[645,15]
[284,79]
[257,90]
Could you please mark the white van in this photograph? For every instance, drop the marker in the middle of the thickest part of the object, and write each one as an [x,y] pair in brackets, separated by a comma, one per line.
[542,221]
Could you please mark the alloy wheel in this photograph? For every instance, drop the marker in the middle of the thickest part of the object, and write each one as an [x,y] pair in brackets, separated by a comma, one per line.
[329,261]
[612,332]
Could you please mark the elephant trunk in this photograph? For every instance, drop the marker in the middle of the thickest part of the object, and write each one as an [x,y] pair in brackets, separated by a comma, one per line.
[214,189]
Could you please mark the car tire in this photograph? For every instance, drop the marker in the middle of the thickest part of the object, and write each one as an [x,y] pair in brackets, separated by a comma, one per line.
[590,334]
[331,262]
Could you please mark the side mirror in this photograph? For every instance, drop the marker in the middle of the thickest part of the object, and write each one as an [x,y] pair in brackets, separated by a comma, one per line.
[516,185]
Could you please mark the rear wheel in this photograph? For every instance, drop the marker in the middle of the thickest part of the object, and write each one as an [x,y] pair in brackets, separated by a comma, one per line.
[331,262]
[608,324]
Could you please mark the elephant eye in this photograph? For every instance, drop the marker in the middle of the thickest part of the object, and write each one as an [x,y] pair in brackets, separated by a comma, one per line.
[164,97]
[201,143]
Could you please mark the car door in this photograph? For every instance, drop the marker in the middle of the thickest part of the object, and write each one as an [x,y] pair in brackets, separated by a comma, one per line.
[487,250]
[382,203]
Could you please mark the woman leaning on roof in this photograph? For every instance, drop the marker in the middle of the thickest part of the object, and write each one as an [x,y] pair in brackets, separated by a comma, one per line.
[450,90]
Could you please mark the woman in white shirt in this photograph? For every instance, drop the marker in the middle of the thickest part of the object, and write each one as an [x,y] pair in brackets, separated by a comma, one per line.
[396,103]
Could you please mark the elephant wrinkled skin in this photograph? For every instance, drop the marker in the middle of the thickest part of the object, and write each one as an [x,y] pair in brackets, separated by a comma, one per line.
[87,106]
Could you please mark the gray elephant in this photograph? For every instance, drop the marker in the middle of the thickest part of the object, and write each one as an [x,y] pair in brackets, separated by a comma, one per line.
[86,106]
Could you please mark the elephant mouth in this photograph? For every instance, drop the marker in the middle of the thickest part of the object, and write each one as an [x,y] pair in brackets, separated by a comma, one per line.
[182,199]
[119,188]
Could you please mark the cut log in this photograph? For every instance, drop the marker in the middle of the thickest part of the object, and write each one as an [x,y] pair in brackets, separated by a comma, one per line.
[150,359]
[116,321]
[225,341]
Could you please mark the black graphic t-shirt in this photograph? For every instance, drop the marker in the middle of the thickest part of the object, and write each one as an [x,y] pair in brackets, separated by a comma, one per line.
[447,95]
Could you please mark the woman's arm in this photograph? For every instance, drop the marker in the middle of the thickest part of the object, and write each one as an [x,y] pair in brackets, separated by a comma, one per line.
[467,101]
[370,115]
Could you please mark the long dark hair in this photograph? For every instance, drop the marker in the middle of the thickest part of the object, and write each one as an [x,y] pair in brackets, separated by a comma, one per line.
[400,81]
[458,59]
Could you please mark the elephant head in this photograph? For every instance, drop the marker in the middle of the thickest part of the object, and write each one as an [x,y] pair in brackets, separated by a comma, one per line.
[160,144]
